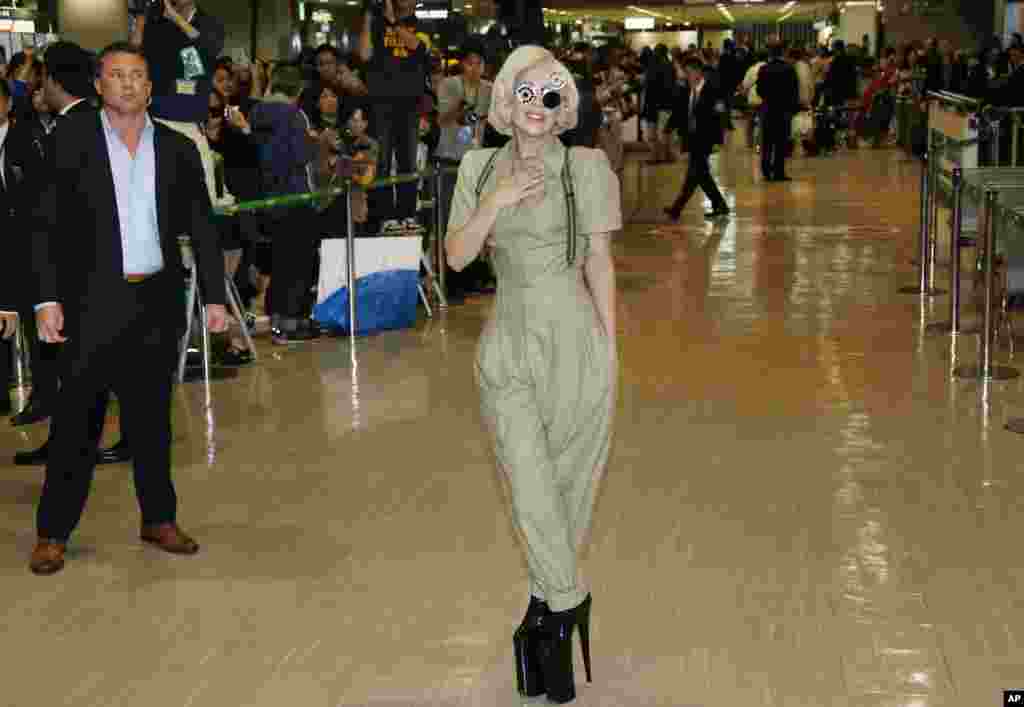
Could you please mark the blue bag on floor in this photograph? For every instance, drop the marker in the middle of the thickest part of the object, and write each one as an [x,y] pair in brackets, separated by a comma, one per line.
[384,300]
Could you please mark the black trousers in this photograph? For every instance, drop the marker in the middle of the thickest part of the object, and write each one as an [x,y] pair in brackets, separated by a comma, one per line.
[776,133]
[293,256]
[396,127]
[44,360]
[698,174]
[133,355]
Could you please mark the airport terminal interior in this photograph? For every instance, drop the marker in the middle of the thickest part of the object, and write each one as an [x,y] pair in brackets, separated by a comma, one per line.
[803,507]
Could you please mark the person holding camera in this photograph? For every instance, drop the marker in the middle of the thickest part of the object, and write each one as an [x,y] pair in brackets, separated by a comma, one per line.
[396,80]
[181,44]
[462,103]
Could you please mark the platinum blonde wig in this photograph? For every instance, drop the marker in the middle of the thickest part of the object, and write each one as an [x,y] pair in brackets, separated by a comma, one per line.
[503,95]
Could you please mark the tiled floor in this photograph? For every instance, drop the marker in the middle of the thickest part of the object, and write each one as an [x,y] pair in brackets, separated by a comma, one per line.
[803,509]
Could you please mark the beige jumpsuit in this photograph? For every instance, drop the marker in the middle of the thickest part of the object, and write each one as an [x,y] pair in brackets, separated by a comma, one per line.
[543,364]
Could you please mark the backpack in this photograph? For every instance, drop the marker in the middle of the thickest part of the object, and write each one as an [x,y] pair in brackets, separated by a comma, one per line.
[567,186]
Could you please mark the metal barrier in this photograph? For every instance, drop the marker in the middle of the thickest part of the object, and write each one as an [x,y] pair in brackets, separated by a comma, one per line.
[435,266]
[1004,122]
[990,184]
[952,140]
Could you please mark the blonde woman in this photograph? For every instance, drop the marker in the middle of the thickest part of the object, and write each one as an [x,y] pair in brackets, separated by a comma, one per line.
[546,363]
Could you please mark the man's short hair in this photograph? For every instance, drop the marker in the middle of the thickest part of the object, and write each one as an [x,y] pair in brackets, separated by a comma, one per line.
[71,67]
[408,21]
[119,48]
[287,80]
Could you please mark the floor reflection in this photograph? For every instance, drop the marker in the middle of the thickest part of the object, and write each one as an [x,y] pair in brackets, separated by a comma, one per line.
[804,508]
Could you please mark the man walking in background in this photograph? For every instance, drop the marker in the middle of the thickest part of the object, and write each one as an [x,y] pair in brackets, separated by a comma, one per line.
[779,88]
[700,114]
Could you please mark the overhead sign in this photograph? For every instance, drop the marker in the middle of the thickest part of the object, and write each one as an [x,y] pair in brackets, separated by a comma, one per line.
[643,23]
[432,14]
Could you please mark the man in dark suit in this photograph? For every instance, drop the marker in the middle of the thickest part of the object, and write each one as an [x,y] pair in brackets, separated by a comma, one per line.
[67,83]
[68,91]
[20,165]
[105,252]
[698,116]
[779,88]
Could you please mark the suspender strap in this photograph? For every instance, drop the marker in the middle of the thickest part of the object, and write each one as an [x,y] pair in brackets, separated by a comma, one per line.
[486,174]
[570,207]
[567,186]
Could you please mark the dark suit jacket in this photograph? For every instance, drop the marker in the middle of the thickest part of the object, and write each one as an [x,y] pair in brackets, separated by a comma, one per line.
[76,242]
[779,87]
[841,80]
[23,170]
[709,113]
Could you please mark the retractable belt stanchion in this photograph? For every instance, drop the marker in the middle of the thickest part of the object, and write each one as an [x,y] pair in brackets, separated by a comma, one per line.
[20,351]
[440,230]
[346,190]
[953,325]
[350,269]
[985,370]
[926,269]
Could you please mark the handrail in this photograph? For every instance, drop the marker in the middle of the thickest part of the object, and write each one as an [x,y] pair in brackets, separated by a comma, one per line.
[957,98]
[283,200]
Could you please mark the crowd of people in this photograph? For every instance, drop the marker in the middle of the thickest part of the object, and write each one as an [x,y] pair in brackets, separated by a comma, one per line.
[395,104]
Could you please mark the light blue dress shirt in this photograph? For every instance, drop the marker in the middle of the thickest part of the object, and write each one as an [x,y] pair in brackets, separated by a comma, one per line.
[135,190]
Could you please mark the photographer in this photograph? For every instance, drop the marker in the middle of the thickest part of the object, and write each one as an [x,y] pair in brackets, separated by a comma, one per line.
[181,44]
[397,63]
[462,104]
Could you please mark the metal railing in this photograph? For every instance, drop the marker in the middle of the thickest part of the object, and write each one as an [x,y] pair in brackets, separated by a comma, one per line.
[321,197]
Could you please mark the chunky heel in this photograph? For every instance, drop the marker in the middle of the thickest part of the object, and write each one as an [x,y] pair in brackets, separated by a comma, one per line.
[584,623]
[556,650]
[527,643]
[556,655]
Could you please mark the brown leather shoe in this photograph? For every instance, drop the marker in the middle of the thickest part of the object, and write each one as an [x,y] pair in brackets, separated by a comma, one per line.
[169,538]
[48,557]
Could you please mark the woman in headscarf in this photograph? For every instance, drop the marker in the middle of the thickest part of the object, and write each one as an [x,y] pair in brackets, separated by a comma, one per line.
[547,362]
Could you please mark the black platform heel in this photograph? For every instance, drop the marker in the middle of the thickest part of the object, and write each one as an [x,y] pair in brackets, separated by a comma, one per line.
[583,620]
[556,650]
[527,643]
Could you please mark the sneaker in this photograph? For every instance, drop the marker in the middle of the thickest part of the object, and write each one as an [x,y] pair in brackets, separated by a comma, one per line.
[391,226]
[411,225]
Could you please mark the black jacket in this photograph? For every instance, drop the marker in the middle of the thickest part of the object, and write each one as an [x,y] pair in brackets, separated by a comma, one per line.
[779,87]
[841,81]
[708,115]
[75,233]
[22,171]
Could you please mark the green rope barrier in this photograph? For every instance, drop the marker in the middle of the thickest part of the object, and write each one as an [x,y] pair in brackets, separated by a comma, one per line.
[323,196]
